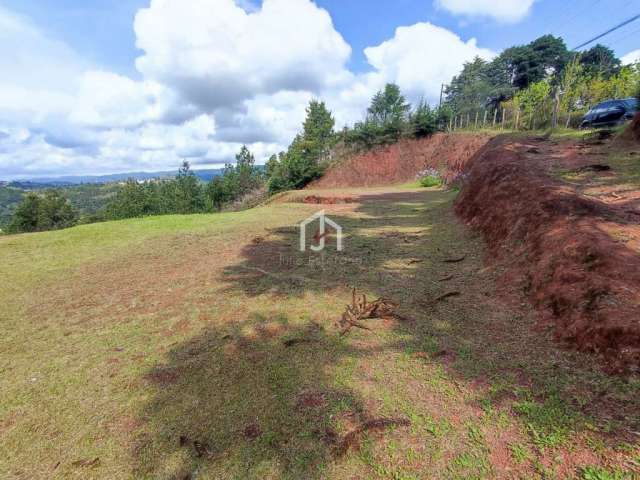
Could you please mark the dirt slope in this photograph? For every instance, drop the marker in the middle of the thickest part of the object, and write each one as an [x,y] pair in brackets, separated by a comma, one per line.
[575,255]
[633,131]
[401,162]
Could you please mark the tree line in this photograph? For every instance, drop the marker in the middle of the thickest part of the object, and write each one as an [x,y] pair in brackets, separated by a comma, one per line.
[540,84]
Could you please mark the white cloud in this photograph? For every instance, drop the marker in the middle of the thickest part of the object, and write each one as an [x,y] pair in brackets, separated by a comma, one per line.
[631,57]
[216,74]
[106,99]
[421,57]
[510,11]
[39,73]
[218,55]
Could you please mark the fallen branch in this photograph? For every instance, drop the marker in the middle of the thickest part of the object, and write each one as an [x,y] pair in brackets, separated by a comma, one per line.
[454,260]
[296,341]
[352,439]
[444,296]
[360,309]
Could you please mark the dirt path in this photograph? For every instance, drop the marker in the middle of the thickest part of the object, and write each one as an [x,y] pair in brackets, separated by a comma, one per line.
[216,355]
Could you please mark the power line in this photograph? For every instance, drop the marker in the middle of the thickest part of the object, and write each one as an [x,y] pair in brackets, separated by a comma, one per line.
[611,30]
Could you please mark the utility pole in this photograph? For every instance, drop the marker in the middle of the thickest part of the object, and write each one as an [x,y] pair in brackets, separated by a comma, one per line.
[441,93]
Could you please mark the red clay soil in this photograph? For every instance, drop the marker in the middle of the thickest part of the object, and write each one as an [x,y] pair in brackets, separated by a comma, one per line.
[402,161]
[633,131]
[316,200]
[556,244]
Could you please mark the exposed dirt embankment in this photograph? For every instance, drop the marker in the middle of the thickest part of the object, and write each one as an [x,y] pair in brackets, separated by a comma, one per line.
[558,244]
[633,131]
[402,161]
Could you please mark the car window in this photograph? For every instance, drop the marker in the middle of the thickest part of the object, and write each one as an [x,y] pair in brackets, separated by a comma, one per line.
[631,103]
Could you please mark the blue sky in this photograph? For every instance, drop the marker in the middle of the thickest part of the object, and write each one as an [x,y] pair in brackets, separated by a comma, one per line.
[86,92]
[103,29]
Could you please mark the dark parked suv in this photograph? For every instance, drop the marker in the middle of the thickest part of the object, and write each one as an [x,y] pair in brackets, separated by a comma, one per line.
[609,113]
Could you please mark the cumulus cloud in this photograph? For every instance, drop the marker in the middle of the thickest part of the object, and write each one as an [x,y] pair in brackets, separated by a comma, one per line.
[105,99]
[215,74]
[421,57]
[510,11]
[216,54]
[631,57]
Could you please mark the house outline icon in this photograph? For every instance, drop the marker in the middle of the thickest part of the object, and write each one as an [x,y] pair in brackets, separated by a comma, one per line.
[324,220]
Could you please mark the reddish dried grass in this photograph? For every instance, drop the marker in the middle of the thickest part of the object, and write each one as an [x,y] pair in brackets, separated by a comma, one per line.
[556,243]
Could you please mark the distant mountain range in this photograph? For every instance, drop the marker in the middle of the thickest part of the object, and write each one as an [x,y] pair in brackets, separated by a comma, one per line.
[65,181]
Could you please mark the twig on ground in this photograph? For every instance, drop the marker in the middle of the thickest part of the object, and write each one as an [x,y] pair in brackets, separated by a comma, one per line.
[455,260]
[444,296]
[352,439]
[360,309]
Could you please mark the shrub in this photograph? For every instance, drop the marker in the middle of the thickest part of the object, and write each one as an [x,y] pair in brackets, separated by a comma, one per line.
[430,181]
[429,177]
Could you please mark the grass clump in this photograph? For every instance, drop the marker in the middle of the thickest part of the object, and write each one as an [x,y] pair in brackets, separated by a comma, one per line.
[599,473]
[429,178]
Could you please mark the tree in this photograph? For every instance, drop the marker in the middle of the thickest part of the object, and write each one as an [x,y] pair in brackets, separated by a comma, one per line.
[317,130]
[423,121]
[302,162]
[37,213]
[27,214]
[526,64]
[236,180]
[248,177]
[472,89]
[388,106]
[188,193]
[600,61]
[271,165]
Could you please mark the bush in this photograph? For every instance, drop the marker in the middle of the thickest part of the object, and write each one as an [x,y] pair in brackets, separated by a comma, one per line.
[430,177]
[430,181]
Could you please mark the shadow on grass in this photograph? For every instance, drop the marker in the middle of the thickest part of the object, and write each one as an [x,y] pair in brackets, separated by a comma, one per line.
[260,399]
[259,408]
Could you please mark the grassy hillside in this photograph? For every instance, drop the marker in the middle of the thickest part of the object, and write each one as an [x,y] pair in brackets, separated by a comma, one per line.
[205,346]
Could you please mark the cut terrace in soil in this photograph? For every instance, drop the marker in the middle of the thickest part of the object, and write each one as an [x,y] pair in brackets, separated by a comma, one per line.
[207,347]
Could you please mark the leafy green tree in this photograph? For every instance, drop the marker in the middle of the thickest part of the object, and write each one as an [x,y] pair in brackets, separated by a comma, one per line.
[56,212]
[37,213]
[600,61]
[470,90]
[27,215]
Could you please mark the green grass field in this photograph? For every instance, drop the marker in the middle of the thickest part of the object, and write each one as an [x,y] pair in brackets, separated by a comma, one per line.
[206,346]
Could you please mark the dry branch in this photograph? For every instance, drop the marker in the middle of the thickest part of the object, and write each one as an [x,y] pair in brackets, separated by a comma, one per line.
[360,309]
[352,439]
[455,260]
